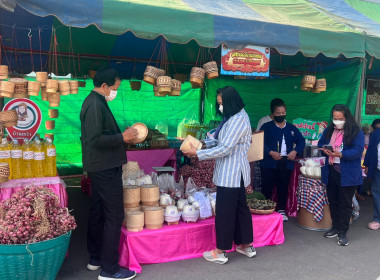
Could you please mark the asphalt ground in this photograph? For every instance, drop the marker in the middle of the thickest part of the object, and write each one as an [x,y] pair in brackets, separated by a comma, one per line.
[304,255]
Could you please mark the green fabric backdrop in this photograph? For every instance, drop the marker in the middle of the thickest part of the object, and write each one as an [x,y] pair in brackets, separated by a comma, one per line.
[128,107]
[342,88]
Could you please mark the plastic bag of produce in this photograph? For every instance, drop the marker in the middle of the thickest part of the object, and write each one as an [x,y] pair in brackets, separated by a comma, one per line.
[191,188]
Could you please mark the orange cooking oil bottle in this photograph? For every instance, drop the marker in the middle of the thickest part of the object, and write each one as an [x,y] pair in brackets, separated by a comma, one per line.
[5,153]
[51,154]
[16,159]
[39,159]
[27,159]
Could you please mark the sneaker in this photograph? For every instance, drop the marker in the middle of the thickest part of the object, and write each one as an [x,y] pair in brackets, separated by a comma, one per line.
[216,258]
[122,274]
[250,252]
[284,217]
[342,239]
[331,233]
[93,264]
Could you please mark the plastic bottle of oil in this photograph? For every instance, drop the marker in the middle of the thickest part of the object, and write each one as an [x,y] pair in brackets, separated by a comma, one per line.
[51,165]
[39,159]
[5,153]
[16,160]
[27,159]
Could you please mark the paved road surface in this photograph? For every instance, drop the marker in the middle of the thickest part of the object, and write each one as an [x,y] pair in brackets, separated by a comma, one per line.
[304,255]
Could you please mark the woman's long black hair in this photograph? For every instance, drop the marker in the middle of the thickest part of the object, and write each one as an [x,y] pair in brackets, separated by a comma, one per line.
[232,102]
[351,128]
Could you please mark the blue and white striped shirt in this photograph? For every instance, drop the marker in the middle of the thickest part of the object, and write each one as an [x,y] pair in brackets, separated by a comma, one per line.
[230,152]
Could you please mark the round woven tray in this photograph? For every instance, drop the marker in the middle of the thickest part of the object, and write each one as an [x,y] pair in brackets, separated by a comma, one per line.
[142,132]
[261,212]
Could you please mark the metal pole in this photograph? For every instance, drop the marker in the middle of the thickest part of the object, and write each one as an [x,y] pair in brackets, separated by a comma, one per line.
[359,100]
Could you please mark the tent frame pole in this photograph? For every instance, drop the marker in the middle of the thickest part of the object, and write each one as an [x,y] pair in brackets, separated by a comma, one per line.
[359,100]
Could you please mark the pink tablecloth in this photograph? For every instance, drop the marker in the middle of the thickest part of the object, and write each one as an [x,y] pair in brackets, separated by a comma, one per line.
[54,183]
[186,241]
[153,158]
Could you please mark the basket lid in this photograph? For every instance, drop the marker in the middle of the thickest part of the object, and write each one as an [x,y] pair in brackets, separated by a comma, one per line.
[142,131]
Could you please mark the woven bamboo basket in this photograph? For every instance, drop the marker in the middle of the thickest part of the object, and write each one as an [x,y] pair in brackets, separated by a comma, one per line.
[51,86]
[21,87]
[164,84]
[54,99]
[53,113]
[8,118]
[154,217]
[305,88]
[64,87]
[181,77]
[135,85]
[74,87]
[152,73]
[6,89]
[131,196]
[320,85]
[211,70]
[197,77]
[176,88]
[44,95]
[261,212]
[4,172]
[34,261]
[50,135]
[150,195]
[34,88]
[3,72]
[50,124]
[308,81]
[135,221]
[42,77]
[157,92]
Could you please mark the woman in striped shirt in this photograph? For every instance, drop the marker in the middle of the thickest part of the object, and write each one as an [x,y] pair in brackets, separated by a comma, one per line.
[229,146]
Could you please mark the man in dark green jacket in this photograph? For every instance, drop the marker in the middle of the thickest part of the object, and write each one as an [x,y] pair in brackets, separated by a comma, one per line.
[103,154]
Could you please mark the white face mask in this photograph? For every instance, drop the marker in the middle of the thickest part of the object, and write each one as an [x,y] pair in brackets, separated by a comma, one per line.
[112,95]
[339,124]
[221,108]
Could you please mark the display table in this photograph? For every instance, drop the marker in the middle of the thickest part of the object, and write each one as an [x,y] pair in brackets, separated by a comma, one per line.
[186,241]
[148,159]
[312,204]
[56,184]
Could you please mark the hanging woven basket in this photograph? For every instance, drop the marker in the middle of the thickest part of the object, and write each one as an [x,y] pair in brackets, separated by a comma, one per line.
[308,81]
[42,77]
[197,77]
[320,85]
[8,118]
[74,87]
[3,72]
[64,87]
[157,93]
[51,86]
[21,87]
[164,84]
[34,88]
[7,89]
[152,73]
[176,88]
[135,84]
[211,70]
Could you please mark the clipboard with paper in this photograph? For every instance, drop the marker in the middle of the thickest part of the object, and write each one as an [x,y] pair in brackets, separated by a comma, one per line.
[256,149]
